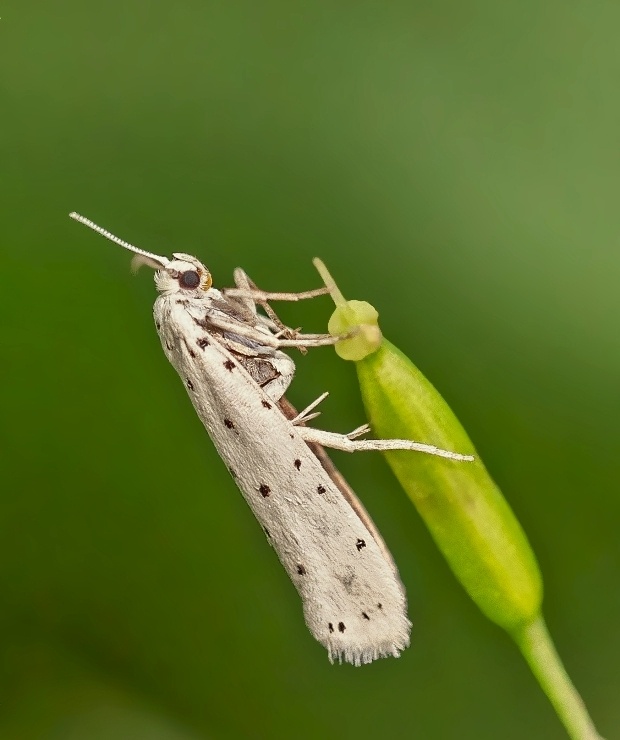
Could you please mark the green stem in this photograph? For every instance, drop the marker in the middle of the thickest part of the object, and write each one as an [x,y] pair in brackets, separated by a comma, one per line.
[537,647]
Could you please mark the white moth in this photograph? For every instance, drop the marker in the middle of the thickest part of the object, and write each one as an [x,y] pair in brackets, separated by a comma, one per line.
[228,357]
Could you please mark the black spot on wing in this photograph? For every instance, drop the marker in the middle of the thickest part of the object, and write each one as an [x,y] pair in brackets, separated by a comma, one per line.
[341,627]
[331,627]
[202,342]
[321,489]
[266,404]
[189,384]
[228,424]
[189,349]
[360,544]
[298,464]
[229,365]
[301,570]
[264,490]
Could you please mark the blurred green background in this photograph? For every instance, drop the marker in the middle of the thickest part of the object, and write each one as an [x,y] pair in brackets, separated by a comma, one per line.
[456,164]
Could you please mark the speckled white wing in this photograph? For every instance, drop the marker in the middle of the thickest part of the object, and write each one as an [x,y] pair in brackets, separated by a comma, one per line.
[354,602]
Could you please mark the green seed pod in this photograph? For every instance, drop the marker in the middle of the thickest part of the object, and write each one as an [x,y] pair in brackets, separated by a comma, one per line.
[466,513]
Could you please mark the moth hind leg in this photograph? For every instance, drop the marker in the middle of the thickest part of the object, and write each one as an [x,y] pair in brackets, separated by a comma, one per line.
[351,443]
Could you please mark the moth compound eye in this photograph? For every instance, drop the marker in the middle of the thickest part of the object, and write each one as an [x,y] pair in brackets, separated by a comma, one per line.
[189,279]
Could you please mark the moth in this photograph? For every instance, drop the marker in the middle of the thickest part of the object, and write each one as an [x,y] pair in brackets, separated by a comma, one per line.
[229,357]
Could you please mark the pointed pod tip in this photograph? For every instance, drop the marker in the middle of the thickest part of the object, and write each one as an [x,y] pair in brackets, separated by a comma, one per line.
[329,281]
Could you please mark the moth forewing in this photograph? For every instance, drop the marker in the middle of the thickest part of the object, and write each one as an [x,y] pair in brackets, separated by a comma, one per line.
[354,602]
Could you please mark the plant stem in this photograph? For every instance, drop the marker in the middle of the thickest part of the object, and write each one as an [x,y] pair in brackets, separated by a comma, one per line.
[537,647]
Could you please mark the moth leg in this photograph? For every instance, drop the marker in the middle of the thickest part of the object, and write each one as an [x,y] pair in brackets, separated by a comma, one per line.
[359,432]
[262,339]
[267,339]
[242,281]
[258,295]
[248,290]
[345,443]
[312,340]
[269,324]
[305,415]
[249,293]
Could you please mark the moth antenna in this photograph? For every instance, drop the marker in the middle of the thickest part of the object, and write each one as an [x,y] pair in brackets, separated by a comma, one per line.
[149,257]
[139,259]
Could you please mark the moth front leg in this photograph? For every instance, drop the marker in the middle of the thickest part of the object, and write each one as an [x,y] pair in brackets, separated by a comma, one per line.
[244,289]
[248,290]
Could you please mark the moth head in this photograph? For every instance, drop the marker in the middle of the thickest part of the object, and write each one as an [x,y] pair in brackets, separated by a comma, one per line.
[183,274]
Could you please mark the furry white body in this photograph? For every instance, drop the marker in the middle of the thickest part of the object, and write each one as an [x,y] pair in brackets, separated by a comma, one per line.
[354,602]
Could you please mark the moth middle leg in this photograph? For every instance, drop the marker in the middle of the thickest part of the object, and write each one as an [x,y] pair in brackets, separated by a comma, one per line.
[247,290]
